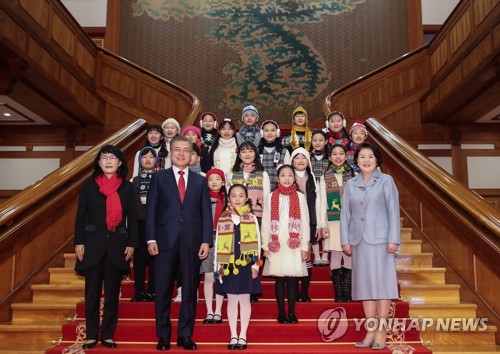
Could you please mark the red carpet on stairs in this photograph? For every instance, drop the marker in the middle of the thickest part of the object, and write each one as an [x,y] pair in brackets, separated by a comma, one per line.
[136,327]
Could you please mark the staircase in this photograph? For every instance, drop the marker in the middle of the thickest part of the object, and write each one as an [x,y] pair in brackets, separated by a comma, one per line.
[37,325]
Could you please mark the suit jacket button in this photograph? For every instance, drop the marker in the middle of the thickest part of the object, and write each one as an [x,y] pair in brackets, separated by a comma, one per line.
[362,219]
[363,189]
[107,235]
[181,221]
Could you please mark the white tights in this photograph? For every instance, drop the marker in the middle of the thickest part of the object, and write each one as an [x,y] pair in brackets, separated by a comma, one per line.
[208,291]
[232,314]
[336,261]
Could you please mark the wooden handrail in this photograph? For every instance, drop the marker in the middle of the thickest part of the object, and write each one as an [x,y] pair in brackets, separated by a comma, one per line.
[471,202]
[18,204]
[327,103]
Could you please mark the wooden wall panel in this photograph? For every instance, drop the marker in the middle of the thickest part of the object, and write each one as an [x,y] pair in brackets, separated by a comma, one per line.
[156,101]
[487,283]
[407,201]
[43,58]
[68,81]
[12,31]
[52,233]
[367,101]
[85,59]
[93,104]
[407,80]
[477,56]
[459,32]
[6,271]
[439,56]
[450,82]
[482,8]
[38,10]
[63,35]
[118,82]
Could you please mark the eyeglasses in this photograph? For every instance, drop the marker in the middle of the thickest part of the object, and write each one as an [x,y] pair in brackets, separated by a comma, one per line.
[108,158]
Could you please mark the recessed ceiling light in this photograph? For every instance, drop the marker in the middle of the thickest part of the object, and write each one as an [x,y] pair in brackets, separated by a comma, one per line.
[7,114]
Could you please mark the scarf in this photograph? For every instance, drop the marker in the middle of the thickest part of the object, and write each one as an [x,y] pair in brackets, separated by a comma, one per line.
[143,181]
[248,132]
[220,196]
[334,190]
[255,186]
[196,168]
[306,132]
[293,221]
[108,187]
[337,138]
[249,242]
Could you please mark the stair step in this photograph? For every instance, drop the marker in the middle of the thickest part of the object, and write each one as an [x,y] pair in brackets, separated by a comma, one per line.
[69,260]
[406,233]
[421,275]
[460,337]
[411,246]
[464,349]
[13,334]
[431,293]
[42,313]
[62,293]
[30,348]
[64,275]
[414,260]
[443,310]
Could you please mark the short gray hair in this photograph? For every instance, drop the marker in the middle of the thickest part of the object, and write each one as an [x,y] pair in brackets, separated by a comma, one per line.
[180,138]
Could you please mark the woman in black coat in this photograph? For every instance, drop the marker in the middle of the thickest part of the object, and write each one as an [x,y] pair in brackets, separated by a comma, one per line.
[105,237]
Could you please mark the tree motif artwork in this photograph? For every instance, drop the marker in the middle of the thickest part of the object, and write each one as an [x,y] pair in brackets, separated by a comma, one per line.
[278,65]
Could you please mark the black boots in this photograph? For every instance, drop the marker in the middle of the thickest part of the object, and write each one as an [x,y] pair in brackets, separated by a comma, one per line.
[346,284]
[336,275]
[341,279]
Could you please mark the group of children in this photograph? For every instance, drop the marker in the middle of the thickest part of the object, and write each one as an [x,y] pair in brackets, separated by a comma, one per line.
[279,196]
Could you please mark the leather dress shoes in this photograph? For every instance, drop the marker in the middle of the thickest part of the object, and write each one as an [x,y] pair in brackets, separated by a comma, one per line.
[90,343]
[163,344]
[233,344]
[242,344]
[292,318]
[282,318]
[108,343]
[186,343]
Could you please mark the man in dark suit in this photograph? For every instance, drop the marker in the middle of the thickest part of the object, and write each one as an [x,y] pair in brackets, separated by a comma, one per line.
[178,231]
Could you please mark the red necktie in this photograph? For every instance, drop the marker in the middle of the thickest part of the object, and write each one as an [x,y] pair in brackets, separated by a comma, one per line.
[182,186]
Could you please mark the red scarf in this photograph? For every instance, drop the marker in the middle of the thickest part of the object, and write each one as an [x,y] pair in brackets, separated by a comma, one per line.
[108,187]
[219,206]
[293,221]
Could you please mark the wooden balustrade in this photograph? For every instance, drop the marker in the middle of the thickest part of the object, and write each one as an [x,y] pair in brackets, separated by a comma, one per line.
[453,80]
[462,227]
[38,223]
[77,82]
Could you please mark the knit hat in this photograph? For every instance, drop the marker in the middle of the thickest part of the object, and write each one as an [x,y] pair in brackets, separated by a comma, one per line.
[216,171]
[302,151]
[300,109]
[145,150]
[211,114]
[192,128]
[358,125]
[174,122]
[249,108]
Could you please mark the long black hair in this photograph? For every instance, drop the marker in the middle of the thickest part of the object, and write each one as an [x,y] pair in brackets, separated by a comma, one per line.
[163,152]
[215,145]
[248,145]
[111,149]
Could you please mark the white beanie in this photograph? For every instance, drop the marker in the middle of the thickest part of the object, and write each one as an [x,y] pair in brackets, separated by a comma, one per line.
[249,108]
[174,122]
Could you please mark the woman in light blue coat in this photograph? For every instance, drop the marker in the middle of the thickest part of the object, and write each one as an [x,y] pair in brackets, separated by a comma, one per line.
[370,232]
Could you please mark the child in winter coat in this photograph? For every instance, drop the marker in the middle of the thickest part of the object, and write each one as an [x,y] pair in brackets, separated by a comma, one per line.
[249,131]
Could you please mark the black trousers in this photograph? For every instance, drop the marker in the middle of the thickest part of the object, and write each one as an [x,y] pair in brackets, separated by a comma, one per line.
[104,271]
[166,265]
